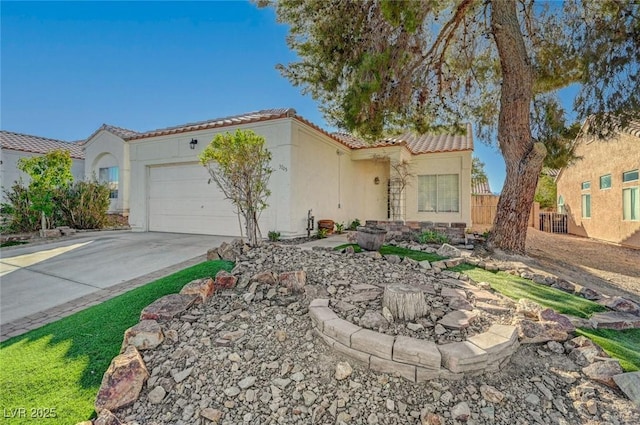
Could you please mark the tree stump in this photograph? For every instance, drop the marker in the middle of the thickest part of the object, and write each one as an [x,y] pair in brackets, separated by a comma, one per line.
[405,302]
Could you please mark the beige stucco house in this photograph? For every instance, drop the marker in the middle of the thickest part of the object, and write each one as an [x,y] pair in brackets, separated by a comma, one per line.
[16,145]
[600,193]
[161,186]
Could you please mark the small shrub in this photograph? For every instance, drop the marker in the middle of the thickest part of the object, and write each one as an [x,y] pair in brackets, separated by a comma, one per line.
[21,217]
[354,224]
[274,236]
[431,236]
[322,233]
[84,204]
[339,228]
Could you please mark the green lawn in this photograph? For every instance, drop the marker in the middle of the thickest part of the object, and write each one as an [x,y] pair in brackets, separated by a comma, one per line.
[516,287]
[60,365]
[621,345]
[400,252]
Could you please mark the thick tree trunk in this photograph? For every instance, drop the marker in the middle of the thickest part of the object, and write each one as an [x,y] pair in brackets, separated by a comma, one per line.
[404,302]
[522,156]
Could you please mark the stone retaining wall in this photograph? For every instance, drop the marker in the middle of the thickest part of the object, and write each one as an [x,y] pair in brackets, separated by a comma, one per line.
[414,359]
[408,230]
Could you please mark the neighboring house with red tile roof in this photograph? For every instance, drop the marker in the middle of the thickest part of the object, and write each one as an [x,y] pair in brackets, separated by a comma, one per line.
[15,146]
[480,188]
[600,193]
[159,183]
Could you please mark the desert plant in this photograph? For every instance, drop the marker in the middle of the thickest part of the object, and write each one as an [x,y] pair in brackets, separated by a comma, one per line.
[339,228]
[322,233]
[354,224]
[84,204]
[274,236]
[21,217]
[431,236]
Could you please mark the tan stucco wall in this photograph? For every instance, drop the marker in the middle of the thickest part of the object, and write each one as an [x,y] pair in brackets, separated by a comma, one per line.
[107,150]
[9,172]
[599,158]
[442,163]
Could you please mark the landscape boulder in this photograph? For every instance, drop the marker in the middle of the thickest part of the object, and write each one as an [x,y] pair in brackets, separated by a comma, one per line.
[203,288]
[168,307]
[294,281]
[225,280]
[144,336]
[603,372]
[122,382]
[449,251]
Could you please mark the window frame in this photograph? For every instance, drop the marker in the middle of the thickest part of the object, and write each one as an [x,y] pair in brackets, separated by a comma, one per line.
[633,211]
[112,180]
[637,177]
[585,196]
[437,204]
[586,185]
[610,181]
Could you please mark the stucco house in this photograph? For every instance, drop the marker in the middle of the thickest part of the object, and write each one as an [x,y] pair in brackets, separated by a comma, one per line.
[161,186]
[601,192]
[16,145]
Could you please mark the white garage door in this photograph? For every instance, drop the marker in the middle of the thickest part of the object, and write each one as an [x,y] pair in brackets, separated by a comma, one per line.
[182,201]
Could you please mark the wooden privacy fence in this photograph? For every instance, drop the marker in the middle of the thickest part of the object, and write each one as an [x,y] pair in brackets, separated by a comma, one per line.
[484,207]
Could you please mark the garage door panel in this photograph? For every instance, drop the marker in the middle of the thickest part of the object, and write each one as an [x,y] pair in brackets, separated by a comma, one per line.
[181,201]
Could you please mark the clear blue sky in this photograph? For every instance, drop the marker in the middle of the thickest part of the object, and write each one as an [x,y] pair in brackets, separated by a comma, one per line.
[68,67]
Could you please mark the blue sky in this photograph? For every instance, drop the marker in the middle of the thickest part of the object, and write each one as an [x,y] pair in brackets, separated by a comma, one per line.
[68,67]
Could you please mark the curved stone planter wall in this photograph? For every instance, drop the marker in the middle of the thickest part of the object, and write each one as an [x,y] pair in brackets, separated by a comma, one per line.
[414,359]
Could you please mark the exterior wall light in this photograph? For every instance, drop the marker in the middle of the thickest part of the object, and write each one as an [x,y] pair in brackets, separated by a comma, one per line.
[376,180]
[193,143]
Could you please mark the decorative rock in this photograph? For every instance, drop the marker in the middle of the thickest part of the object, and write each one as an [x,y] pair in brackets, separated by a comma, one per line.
[564,286]
[146,335]
[212,254]
[122,382]
[457,319]
[603,372]
[247,382]
[449,251]
[232,391]
[528,308]
[214,415]
[225,280]
[227,252]
[429,418]
[534,332]
[586,355]
[167,307]
[264,278]
[629,383]
[157,395]
[281,335]
[555,347]
[294,281]
[615,320]
[106,418]
[309,398]
[203,288]
[549,315]
[622,305]
[343,371]
[373,320]
[589,294]
[491,394]
[460,304]
[182,375]
[532,399]
[439,329]
[461,412]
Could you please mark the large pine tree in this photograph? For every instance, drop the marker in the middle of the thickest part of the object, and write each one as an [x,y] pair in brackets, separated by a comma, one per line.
[380,65]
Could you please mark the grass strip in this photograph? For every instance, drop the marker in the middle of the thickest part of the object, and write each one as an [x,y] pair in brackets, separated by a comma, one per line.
[623,345]
[395,250]
[60,365]
[517,288]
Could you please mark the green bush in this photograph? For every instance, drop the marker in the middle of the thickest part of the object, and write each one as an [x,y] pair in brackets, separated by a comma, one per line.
[21,217]
[322,233]
[354,224]
[431,236]
[84,204]
[339,228]
[274,236]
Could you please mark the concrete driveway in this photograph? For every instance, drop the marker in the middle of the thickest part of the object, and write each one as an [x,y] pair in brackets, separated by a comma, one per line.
[36,278]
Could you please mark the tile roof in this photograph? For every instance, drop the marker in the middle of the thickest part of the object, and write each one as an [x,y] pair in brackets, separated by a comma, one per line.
[480,188]
[123,133]
[416,143]
[248,118]
[37,144]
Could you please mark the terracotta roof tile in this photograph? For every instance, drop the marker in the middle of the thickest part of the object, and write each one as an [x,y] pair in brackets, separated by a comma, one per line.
[416,143]
[251,117]
[37,144]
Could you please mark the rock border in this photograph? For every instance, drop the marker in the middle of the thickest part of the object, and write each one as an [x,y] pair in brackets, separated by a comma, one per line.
[414,359]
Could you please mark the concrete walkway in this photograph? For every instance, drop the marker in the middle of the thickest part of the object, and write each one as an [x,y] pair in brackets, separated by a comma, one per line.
[41,283]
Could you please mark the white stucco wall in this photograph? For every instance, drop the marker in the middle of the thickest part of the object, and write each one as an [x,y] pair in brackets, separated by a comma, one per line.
[9,172]
[107,150]
[175,149]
